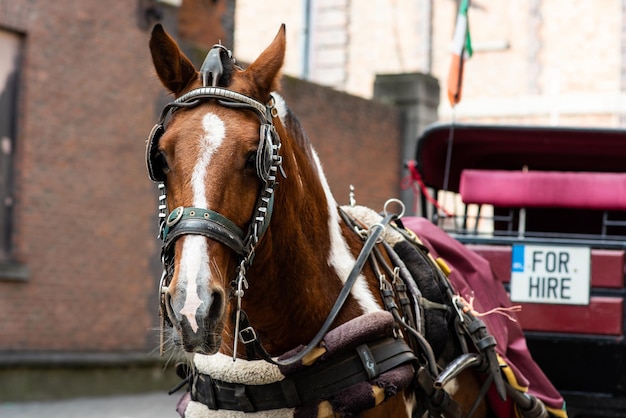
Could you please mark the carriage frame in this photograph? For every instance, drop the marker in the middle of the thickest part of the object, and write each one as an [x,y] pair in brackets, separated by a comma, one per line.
[550,187]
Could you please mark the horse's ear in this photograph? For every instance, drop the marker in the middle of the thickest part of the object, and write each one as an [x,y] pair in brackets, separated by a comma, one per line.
[265,70]
[174,69]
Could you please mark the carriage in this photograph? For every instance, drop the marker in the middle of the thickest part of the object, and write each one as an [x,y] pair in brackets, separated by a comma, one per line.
[286,304]
[546,206]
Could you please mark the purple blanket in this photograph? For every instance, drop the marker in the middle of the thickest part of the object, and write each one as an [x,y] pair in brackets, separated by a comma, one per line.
[471,275]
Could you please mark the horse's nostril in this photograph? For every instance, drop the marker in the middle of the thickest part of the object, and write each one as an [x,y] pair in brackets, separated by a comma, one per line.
[217,306]
[169,311]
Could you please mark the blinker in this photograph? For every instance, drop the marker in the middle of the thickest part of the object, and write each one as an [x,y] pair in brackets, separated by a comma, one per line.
[155,169]
[265,151]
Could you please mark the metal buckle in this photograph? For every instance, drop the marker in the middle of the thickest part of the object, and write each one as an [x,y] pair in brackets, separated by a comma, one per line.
[251,335]
[175,216]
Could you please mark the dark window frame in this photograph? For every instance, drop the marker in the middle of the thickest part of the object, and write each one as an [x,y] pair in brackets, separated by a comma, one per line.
[11,53]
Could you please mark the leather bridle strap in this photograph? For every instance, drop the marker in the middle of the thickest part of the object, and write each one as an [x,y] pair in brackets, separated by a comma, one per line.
[197,221]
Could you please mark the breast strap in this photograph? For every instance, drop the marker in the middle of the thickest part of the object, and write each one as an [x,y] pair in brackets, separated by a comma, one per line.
[365,363]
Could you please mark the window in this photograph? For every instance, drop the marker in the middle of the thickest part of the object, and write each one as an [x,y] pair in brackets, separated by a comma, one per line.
[10,44]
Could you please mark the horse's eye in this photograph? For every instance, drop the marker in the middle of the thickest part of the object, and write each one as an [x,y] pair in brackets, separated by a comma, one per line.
[161,162]
[251,161]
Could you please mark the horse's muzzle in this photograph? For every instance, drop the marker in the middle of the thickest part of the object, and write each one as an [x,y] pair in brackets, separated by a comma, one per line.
[206,338]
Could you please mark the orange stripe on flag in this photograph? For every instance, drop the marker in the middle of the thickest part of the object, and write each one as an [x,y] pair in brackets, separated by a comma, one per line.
[461,50]
[455,80]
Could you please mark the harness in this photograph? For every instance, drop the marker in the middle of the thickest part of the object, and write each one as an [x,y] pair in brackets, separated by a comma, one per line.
[401,295]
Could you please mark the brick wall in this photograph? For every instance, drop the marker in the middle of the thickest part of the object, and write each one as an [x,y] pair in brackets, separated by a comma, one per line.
[85,214]
[84,208]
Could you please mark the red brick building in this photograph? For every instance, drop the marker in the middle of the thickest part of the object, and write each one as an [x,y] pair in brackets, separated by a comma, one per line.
[77,285]
[79,262]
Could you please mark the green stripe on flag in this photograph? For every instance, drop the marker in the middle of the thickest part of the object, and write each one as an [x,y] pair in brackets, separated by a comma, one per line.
[463,7]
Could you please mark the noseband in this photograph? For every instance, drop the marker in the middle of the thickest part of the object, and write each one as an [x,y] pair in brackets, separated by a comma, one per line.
[204,221]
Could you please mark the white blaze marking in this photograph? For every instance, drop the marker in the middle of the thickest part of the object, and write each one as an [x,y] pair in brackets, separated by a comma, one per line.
[194,265]
[194,253]
[340,256]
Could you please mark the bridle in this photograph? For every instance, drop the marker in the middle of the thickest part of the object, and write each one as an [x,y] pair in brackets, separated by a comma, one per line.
[183,221]
[268,161]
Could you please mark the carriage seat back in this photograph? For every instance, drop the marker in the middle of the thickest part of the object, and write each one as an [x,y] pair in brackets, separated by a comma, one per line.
[519,189]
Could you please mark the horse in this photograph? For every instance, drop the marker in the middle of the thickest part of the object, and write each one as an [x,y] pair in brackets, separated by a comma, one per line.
[260,262]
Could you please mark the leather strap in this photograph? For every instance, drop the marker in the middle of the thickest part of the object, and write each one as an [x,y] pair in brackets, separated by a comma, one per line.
[311,384]
[197,221]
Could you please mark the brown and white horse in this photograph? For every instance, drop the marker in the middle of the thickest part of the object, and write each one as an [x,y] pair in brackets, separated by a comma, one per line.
[250,219]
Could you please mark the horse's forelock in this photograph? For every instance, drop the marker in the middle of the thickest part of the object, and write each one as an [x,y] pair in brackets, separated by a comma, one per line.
[228,65]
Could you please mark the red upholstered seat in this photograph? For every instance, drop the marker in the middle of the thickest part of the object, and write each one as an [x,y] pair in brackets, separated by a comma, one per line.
[579,190]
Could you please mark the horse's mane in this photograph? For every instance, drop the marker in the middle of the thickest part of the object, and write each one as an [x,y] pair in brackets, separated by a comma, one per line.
[293,126]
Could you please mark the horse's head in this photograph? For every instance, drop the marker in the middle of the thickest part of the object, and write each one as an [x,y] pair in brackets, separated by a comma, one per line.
[216,151]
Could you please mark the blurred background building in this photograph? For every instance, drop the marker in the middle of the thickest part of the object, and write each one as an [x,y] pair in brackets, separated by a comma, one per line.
[535,61]
[79,261]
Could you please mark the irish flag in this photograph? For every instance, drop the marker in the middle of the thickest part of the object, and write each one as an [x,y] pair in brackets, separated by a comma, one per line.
[461,50]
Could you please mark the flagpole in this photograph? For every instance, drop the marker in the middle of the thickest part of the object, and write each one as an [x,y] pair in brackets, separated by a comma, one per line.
[461,46]
[446,173]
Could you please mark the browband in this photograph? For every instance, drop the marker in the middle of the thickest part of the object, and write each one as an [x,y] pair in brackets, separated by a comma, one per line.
[229,98]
